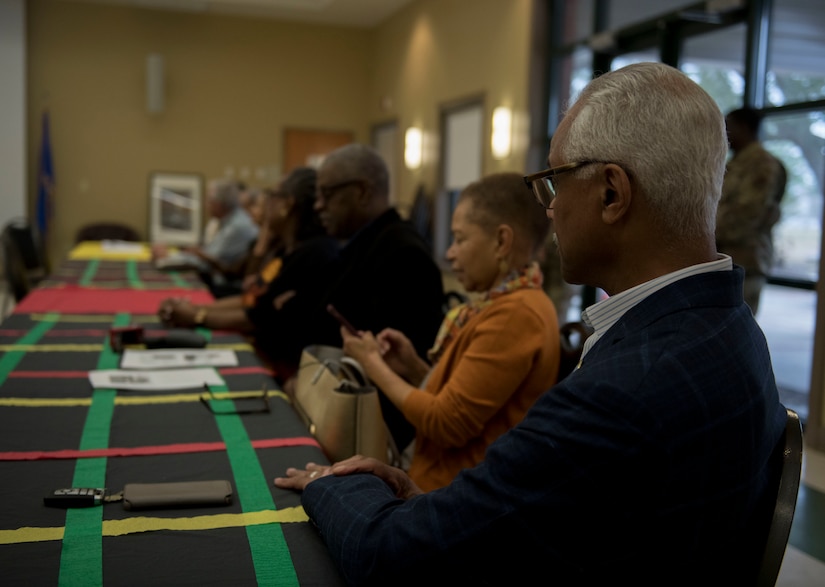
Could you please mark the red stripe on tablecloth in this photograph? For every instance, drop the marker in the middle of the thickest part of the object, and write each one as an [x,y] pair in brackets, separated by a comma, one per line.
[51,333]
[77,300]
[139,451]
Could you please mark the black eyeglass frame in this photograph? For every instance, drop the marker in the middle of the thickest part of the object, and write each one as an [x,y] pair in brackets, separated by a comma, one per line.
[327,192]
[542,185]
[263,396]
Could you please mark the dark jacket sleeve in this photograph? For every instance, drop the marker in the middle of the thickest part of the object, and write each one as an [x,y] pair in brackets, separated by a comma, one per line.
[282,333]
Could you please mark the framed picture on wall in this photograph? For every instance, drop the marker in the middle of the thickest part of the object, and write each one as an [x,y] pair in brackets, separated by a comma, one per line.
[175,208]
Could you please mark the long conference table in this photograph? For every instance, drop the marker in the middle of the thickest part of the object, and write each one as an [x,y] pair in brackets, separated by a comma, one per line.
[57,431]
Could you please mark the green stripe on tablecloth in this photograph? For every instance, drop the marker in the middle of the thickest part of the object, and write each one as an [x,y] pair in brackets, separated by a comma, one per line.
[81,560]
[179,281]
[133,275]
[89,273]
[10,359]
[270,553]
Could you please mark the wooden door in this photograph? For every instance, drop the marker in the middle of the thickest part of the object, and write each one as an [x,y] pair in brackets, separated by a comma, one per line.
[309,147]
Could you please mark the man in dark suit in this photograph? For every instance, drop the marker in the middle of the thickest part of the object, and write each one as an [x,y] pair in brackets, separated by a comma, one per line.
[385,276]
[645,465]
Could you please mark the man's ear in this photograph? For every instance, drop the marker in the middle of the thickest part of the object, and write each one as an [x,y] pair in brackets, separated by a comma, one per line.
[616,193]
[364,194]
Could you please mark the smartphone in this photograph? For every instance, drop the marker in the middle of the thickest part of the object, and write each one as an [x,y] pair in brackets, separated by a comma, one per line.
[344,322]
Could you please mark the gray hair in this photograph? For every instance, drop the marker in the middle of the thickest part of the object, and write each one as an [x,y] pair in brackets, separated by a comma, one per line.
[666,132]
[226,192]
[357,161]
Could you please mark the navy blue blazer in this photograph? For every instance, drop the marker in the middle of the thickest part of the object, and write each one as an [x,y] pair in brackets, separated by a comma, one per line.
[645,465]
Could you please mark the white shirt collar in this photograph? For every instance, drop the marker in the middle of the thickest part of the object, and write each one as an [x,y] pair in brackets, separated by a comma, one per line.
[602,315]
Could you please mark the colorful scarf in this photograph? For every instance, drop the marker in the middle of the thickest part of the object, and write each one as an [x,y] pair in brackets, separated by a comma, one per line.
[529,277]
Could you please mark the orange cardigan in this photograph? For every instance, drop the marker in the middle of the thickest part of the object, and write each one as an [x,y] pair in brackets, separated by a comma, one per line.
[486,380]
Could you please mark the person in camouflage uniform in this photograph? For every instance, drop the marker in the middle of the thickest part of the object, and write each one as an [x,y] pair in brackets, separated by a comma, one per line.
[749,208]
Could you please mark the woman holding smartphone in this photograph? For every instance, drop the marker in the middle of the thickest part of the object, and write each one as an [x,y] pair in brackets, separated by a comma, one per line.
[492,356]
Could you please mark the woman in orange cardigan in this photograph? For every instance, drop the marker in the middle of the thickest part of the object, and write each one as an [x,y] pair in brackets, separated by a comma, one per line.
[494,355]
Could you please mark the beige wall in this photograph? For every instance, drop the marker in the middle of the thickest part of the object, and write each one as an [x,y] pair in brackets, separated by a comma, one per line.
[438,51]
[233,84]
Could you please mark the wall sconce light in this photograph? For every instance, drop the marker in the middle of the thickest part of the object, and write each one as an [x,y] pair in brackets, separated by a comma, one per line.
[413,147]
[502,132]
[154,83]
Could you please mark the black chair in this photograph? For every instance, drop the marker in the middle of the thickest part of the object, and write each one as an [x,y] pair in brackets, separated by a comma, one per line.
[24,259]
[98,231]
[786,461]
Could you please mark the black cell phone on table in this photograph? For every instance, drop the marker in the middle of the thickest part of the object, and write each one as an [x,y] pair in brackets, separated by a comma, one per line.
[343,321]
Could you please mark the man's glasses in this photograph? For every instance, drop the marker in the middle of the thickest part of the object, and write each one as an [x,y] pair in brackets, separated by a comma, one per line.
[263,397]
[542,182]
[328,191]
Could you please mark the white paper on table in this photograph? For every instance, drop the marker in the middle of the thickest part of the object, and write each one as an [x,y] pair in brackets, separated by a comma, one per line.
[164,379]
[177,358]
[117,246]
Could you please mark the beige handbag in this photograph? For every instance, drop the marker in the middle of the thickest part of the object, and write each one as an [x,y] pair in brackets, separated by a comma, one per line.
[340,407]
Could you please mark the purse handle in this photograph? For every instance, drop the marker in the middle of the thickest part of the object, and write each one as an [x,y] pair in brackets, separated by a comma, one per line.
[352,371]
[355,376]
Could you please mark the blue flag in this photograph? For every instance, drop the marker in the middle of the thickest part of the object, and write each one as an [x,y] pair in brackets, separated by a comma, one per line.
[45,180]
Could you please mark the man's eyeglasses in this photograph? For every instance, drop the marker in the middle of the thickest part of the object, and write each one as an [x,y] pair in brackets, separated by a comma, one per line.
[542,182]
[326,192]
[263,397]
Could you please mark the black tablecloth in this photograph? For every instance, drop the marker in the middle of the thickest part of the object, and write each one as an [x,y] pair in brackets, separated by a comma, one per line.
[57,431]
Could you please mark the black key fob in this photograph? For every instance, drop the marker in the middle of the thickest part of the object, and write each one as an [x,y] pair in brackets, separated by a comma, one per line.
[75,497]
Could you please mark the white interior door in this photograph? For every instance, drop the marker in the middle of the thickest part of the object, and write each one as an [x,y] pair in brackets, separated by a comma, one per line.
[462,158]
[385,141]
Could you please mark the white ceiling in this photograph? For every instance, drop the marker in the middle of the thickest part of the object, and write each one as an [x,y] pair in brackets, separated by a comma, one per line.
[355,13]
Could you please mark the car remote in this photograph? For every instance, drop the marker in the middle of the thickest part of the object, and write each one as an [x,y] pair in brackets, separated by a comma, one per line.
[76,497]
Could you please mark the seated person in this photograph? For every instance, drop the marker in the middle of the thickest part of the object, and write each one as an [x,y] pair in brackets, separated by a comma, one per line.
[385,276]
[246,268]
[244,200]
[646,465]
[274,309]
[230,243]
[493,356]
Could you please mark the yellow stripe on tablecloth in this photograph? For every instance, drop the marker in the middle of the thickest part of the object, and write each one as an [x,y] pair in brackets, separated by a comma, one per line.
[70,402]
[94,250]
[106,318]
[49,348]
[147,524]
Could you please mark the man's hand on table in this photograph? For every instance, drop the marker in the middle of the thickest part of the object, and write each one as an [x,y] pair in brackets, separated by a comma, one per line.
[401,484]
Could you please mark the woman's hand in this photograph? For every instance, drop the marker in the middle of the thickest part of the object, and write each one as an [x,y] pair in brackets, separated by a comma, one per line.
[396,347]
[361,346]
[399,353]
